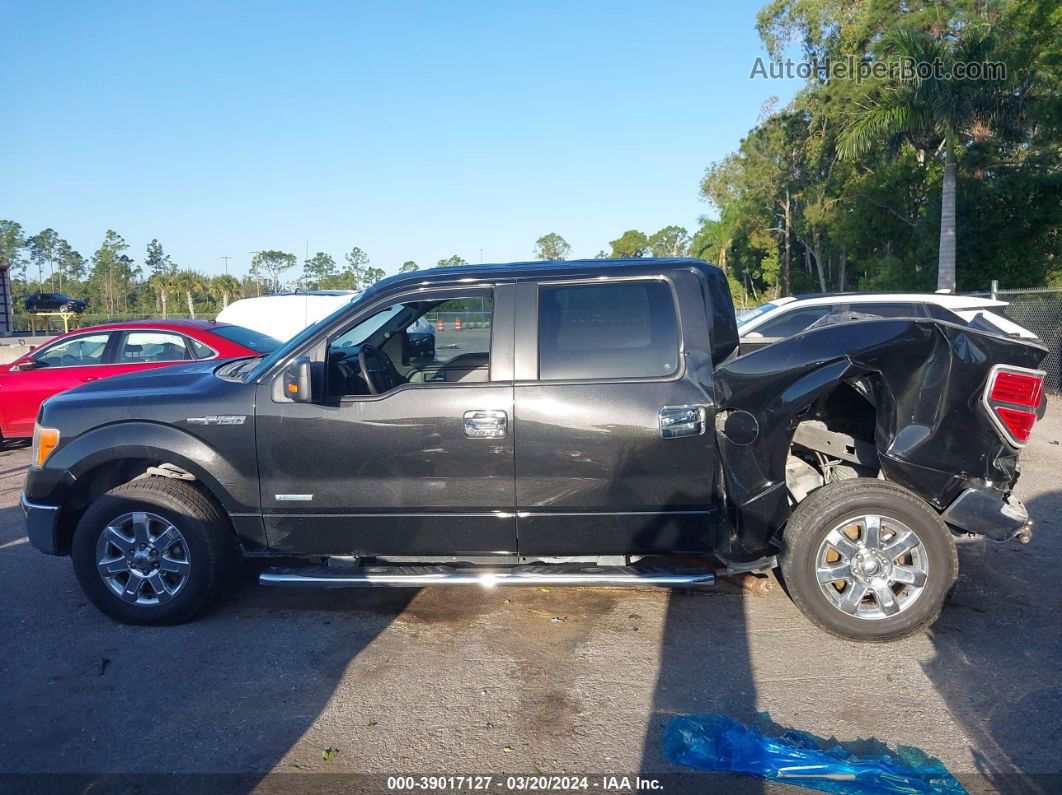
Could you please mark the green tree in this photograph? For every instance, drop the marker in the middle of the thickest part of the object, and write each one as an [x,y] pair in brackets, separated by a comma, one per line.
[274,263]
[934,113]
[110,271]
[631,243]
[156,260]
[319,269]
[164,284]
[372,275]
[452,262]
[353,276]
[12,243]
[671,241]
[192,283]
[551,247]
[409,266]
[226,288]
[43,248]
[71,265]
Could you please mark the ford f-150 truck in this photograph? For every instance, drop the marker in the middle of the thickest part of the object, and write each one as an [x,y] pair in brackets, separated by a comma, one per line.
[594,426]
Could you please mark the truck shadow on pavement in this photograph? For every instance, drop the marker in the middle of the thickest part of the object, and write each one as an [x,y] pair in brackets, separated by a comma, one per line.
[232,691]
[998,649]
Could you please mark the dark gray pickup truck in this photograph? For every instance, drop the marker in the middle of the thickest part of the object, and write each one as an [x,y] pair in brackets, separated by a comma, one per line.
[585,423]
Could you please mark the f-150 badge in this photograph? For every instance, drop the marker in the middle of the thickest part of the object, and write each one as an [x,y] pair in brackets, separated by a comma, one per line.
[218,419]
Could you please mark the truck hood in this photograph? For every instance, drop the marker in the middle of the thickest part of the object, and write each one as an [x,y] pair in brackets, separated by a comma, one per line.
[168,395]
[184,378]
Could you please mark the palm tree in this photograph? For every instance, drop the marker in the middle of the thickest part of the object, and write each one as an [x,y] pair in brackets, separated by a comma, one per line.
[935,112]
[163,284]
[191,282]
[225,287]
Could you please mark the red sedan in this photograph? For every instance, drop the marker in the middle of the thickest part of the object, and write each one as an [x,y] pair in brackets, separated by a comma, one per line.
[101,351]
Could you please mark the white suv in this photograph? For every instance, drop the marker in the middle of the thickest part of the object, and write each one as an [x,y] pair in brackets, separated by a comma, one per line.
[784,317]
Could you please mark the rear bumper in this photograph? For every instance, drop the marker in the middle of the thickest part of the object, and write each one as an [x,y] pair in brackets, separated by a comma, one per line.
[988,512]
[42,526]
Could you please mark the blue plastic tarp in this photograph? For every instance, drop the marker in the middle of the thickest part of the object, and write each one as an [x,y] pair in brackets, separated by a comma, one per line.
[719,743]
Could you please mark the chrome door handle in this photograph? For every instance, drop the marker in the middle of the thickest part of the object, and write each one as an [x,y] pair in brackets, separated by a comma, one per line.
[678,421]
[486,424]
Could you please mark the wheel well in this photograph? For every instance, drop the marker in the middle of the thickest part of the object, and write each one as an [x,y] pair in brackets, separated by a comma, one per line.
[834,439]
[106,476]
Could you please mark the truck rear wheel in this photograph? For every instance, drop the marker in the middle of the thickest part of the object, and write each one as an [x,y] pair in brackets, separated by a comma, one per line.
[153,551]
[868,560]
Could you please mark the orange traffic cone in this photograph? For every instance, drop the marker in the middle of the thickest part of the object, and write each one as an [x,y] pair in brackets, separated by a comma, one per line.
[457,324]
[440,325]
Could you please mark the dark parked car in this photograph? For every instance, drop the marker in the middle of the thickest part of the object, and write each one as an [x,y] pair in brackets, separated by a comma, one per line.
[54,302]
[605,429]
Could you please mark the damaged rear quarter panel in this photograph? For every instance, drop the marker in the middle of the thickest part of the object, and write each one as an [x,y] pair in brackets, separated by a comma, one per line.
[926,380]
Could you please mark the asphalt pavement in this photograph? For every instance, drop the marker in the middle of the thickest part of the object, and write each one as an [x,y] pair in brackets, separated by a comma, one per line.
[520,681]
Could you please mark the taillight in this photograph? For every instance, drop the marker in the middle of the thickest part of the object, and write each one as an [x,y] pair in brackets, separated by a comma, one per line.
[1024,389]
[1012,397]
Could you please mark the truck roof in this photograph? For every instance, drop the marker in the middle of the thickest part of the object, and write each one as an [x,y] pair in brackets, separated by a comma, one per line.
[536,268]
[724,329]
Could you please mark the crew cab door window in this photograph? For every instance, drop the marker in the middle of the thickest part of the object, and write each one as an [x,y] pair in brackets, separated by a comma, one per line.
[424,342]
[619,330]
[141,347]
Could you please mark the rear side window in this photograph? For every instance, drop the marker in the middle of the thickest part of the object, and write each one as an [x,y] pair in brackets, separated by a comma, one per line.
[938,312]
[793,322]
[152,346]
[622,330]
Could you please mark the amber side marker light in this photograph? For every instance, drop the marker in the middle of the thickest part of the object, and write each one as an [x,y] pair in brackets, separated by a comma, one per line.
[45,440]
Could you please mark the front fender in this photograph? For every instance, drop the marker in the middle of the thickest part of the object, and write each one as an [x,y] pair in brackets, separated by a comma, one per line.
[233,482]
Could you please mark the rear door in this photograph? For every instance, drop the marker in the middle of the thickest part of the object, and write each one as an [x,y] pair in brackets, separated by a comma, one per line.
[613,390]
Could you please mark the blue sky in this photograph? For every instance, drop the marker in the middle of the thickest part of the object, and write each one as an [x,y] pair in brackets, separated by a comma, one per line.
[412,130]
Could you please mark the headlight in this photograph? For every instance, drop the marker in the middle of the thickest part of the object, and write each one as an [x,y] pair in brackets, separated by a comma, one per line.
[45,440]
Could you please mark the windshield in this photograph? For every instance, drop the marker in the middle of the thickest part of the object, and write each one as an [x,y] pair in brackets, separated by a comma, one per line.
[752,314]
[296,342]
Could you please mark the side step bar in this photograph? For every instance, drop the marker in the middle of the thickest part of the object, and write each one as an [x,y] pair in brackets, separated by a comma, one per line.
[418,576]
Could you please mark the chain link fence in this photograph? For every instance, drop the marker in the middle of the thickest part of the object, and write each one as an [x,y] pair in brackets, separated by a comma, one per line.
[1040,311]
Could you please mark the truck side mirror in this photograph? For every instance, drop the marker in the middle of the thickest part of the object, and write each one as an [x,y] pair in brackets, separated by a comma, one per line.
[297,382]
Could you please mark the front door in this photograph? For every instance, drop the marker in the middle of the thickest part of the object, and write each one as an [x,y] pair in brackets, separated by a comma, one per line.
[424,467]
[613,452]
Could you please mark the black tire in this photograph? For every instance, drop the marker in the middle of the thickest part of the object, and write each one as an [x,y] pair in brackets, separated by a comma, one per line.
[211,548]
[837,503]
[66,308]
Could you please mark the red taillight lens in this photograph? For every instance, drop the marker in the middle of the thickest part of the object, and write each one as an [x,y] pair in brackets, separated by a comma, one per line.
[1018,388]
[1019,423]
[1012,396]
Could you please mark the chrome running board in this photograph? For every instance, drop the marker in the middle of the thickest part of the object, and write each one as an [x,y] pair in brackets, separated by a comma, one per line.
[419,576]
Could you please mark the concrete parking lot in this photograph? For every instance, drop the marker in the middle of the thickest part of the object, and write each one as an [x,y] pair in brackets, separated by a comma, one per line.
[466,681]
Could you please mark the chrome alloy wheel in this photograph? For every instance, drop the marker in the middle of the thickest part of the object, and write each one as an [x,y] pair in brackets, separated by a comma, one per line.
[143,558]
[871,567]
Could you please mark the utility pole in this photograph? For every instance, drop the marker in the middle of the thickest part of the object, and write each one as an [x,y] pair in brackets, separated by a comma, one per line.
[226,264]
[257,275]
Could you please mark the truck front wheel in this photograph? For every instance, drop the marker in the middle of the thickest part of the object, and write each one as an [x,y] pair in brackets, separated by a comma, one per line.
[153,551]
[868,560]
